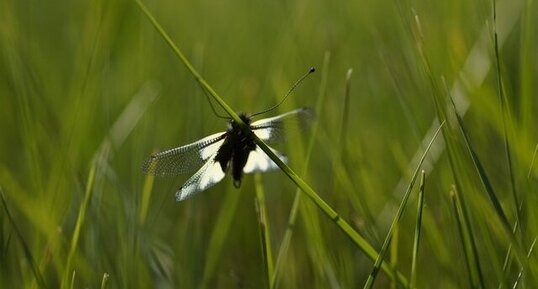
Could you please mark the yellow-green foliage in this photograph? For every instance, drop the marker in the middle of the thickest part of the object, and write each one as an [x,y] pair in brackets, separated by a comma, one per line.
[89,89]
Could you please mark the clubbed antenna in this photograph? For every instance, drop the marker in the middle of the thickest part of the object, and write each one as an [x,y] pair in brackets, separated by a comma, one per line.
[311,70]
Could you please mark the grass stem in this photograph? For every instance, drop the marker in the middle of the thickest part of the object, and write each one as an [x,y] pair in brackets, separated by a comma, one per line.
[379,260]
[418,227]
[80,222]
[265,237]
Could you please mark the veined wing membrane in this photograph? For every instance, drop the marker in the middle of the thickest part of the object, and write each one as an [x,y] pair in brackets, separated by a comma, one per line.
[183,159]
[271,130]
[207,176]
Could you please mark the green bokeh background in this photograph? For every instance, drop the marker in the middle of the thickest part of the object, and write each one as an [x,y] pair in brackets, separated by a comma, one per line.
[70,69]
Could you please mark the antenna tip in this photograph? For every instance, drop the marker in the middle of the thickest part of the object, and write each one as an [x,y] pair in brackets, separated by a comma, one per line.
[312,69]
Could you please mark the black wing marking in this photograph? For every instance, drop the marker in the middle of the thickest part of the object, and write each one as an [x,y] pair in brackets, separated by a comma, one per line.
[207,176]
[185,158]
[271,130]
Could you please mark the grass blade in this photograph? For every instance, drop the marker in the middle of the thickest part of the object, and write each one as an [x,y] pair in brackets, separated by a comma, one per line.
[203,83]
[265,237]
[503,102]
[532,162]
[282,252]
[418,227]
[27,253]
[520,274]
[345,115]
[399,214]
[104,281]
[480,169]
[484,180]
[73,280]
[286,240]
[220,231]
[320,203]
[341,159]
[80,222]
[394,247]
[146,195]
[467,252]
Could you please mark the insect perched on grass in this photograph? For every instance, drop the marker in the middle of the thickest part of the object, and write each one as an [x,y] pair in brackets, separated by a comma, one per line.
[231,151]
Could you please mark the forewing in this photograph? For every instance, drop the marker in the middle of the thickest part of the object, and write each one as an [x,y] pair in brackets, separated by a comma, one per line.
[207,176]
[185,158]
[271,130]
[258,161]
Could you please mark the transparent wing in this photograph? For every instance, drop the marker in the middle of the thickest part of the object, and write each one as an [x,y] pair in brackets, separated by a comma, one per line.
[271,129]
[207,176]
[258,161]
[185,158]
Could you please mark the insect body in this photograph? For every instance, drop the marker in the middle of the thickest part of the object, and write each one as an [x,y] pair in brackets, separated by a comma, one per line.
[235,150]
[220,153]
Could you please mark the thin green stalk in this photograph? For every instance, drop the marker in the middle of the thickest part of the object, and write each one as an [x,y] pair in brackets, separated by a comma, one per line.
[104,281]
[27,252]
[328,211]
[220,231]
[146,195]
[80,222]
[527,74]
[188,65]
[458,212]
[265,237]
[394,247]
[486,184]
[397,218]
[507,261]
[532,162]
[473,244]
[521,272]
[481,171]
[320,203]
[296,201]
[341,159]
[418,227]
[73,280]
[483,178]
[286,240]
[503,102]
[345,114]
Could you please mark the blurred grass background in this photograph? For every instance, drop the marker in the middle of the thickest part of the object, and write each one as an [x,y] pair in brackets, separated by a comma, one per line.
[88,90]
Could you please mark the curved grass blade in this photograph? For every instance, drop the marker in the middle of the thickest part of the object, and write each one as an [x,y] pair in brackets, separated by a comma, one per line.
[379,260]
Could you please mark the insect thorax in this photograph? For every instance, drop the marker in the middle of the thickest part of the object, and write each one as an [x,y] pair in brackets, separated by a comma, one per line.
[236,149]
